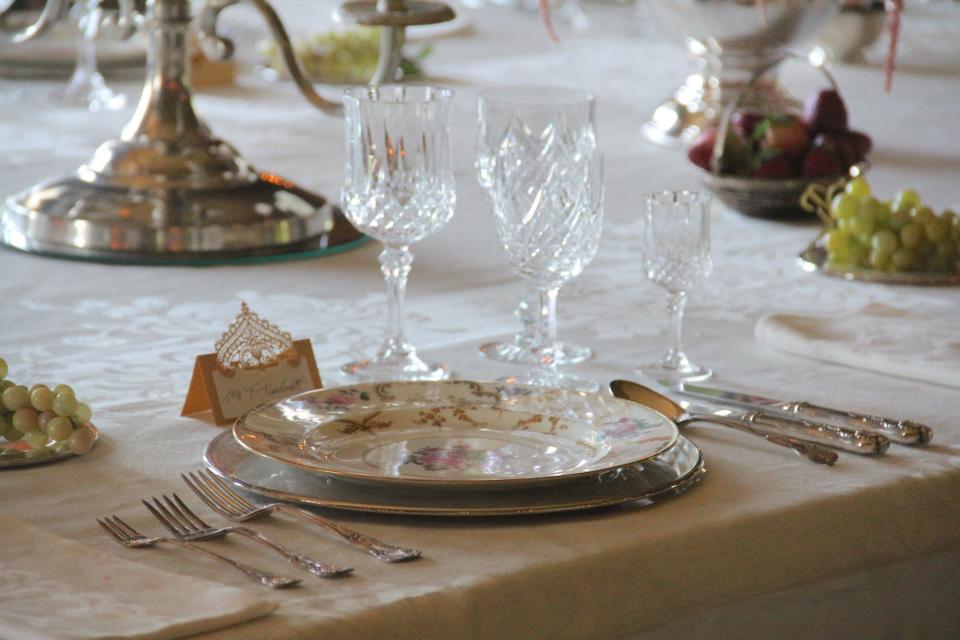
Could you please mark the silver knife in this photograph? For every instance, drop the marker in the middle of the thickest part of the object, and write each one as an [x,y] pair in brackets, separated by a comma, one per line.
[901,431]
[859,441]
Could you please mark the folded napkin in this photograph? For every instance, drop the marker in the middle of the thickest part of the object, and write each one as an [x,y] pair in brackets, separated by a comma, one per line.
[877,338]
[54,588]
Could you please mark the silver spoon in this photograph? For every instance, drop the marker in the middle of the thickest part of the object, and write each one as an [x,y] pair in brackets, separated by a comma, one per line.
[648,397]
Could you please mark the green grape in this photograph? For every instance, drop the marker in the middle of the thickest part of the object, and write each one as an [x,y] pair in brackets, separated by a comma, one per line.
[902,260]
[845,205]
[936,230]
[25,419]
[4,370]
[42,398]
[64,388]
[859,255]
[911,235]
[862,226]
[906,198]
[6,384]
[946,250]
[844,226]
[82,414]
[879,260]
[60,428]
[4,424]
[922,215]
[64,404]
[81,441]
[12,434]
[35,439]
[15,397]
[837,244]
[871,208]
[899,219]
[858,187]
[884,242]
[44,419]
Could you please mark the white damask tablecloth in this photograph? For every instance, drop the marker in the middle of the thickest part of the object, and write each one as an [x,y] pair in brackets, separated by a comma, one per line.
[768,546]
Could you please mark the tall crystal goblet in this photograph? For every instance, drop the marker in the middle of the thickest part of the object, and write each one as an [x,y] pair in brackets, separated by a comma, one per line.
[538,163]
[676,256]
[399,188]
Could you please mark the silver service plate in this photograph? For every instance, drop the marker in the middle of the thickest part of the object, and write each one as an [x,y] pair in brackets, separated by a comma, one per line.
[13,456]
[815,259]
[670,473]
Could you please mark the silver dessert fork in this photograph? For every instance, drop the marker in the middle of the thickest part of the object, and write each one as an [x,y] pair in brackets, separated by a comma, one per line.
[222,499]
[131,538]
[184,524]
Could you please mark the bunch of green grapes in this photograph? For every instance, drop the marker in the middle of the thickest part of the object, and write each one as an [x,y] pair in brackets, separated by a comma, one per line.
[338,56]
[41,419]
[898,235]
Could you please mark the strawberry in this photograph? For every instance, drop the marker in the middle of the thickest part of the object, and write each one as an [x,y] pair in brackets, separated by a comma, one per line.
[774,165]
[702,148]
[825,112]
[820,162]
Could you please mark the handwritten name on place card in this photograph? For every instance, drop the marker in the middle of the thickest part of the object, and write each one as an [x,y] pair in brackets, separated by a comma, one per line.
[230,394]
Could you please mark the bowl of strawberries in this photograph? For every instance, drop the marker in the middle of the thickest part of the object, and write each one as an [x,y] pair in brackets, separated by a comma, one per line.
[761,163]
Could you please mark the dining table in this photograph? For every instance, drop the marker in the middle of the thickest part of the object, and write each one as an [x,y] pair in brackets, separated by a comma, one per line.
[767,545]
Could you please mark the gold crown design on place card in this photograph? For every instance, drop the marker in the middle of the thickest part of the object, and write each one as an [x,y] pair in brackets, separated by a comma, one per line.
[255,362]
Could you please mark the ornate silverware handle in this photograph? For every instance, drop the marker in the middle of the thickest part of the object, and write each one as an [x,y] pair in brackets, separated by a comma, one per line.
[376,548]
[861,441]
[902,431]
[264,578]
[809,450]
[309,564]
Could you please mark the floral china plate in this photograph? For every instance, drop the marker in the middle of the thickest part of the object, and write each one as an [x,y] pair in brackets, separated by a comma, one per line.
[455,433]
[673,472]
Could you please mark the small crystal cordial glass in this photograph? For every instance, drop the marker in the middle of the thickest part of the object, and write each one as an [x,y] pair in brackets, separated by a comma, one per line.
[538,162]
[676,256]
[398,189]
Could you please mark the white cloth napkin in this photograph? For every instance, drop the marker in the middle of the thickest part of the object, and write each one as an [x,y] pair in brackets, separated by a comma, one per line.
[876,337]
[54,588]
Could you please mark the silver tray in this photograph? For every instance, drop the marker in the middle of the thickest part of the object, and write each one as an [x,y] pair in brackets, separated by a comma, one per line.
[670,473]
[815,259]
[17,459]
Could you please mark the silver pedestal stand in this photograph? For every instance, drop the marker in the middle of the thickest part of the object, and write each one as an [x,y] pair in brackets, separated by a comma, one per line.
[167,191]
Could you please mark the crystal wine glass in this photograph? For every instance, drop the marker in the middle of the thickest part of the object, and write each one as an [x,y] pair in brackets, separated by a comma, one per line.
[538,163]
[86,87]
[519,349]
[399,188]
[676,256]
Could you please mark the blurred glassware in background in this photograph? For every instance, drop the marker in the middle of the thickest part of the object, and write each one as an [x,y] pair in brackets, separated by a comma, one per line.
[87,88]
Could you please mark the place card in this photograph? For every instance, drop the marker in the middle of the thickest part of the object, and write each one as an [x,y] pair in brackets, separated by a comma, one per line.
[255,362]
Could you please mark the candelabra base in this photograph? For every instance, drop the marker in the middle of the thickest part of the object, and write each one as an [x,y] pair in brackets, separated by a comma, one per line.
[265,216]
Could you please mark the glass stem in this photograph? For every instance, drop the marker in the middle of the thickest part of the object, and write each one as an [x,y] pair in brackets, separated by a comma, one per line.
[547,329]
[395,264]
[676,301]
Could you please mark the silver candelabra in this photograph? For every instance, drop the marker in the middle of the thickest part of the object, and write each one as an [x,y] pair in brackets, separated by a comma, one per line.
[167,190]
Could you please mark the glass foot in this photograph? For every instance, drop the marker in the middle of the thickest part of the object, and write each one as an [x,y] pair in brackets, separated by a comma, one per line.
[93,95]
[553,380]
[683,371]
[520,351]
[373,370]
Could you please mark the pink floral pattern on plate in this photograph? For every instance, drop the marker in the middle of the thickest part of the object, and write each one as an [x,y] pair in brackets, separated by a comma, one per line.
[459,457]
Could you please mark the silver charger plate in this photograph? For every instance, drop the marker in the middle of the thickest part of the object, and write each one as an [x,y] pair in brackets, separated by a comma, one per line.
[670,473]
[814,259]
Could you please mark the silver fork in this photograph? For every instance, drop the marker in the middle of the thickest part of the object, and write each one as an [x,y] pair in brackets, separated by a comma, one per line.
[184,524]
[131,538]
[222,499]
